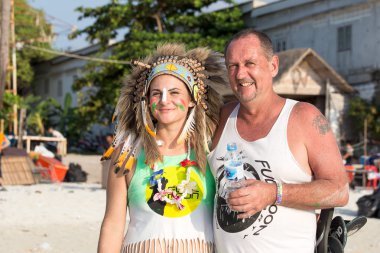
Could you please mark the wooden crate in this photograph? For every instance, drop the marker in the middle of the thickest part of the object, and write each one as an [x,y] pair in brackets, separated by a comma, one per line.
[17,170]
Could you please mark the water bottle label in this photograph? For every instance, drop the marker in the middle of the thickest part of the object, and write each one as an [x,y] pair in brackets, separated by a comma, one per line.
[234,172]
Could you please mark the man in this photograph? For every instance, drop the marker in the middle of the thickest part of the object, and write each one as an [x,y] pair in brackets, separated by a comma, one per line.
[347,157]
[292,163]
[53,145]
[55,133]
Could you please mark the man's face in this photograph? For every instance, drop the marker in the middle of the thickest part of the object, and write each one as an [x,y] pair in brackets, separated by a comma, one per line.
[249,71]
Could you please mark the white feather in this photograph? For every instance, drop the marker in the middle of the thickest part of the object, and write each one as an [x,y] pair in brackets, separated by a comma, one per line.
[143,112]
[188,128]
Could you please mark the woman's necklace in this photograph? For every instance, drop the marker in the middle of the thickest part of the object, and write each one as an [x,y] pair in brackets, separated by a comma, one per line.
[185,187]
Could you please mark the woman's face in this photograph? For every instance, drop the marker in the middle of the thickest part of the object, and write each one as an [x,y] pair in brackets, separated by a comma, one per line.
[169,99]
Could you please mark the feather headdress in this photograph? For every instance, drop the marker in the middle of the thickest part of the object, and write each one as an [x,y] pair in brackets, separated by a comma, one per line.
[202,70]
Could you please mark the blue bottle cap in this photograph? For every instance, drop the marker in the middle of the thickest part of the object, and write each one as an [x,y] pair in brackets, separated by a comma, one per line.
[231,146]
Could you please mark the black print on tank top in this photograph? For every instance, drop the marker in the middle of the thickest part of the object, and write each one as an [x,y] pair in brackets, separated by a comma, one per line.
[227,219]
[157,206]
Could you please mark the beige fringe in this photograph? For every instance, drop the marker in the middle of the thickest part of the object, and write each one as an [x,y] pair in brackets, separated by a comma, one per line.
[169,246]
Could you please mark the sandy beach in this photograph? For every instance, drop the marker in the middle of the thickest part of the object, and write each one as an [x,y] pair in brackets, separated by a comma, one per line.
[66,217]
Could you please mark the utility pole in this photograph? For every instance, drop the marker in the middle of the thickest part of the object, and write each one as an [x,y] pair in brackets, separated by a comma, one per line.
[365,135]
[4,46]
[14,66]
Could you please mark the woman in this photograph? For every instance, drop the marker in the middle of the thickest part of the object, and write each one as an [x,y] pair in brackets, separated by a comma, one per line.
[167,112]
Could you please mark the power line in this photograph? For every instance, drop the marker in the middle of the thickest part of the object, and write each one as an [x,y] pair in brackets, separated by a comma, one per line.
[20,45]
[60,22]
[57,23]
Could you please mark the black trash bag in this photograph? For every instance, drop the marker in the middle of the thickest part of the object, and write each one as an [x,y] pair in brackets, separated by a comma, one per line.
[75,173]
[369,205]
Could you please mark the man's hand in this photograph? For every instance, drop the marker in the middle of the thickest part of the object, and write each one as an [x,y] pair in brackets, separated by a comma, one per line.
[253,197]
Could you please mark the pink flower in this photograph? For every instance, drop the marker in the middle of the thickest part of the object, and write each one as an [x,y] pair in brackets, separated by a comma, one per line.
[161,195]
[178,201]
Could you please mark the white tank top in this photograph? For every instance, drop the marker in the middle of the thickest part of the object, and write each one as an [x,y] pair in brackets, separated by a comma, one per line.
[158,227]
[276,228]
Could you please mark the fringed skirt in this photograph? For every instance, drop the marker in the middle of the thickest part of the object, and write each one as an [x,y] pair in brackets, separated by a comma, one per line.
[169,246]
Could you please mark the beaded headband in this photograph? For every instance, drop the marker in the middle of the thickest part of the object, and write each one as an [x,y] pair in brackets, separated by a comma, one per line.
[187,70]
[174,69]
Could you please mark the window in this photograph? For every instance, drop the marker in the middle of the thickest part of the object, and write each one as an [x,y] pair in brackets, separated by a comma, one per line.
[280,45]
[344,38]
[59,88]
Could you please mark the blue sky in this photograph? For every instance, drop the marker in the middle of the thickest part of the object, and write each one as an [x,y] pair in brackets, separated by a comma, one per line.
[64,18]
[62,15]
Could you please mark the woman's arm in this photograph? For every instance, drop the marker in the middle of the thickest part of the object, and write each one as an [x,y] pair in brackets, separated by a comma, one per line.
[112,230]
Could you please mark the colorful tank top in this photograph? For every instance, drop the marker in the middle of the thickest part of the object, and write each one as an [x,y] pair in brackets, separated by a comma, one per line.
[157,226]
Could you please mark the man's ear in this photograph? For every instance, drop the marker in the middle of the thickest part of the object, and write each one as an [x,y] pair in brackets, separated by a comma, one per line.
[274,65]
[191,104]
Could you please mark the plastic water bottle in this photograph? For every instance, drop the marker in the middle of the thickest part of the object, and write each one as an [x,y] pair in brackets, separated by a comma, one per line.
[233,168]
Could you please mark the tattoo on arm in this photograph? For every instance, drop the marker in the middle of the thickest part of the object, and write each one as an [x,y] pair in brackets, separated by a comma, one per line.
[321,124]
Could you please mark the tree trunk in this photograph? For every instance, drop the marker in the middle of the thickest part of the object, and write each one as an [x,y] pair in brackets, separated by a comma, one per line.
[21,128]
[4,45]
[157,17]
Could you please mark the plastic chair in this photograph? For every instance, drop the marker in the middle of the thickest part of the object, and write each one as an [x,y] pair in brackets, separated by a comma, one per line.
[373,181]
[350,172]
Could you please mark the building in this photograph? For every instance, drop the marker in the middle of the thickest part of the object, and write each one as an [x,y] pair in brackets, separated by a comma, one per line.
[345,33]
[55,77]
[305,76]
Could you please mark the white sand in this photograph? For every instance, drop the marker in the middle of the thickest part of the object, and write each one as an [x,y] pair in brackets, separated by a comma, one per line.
[66,217]
[51,218]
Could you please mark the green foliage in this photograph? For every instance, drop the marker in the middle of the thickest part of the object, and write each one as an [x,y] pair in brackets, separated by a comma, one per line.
[361,110]
[68,121]
[42,113]
[39,114]
[8,101]
[30,28]
[36,110]
[144,24]
[45,112]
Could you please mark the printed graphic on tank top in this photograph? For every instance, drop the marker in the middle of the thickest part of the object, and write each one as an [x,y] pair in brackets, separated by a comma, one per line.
[226,218]
[155,224]
[172,176]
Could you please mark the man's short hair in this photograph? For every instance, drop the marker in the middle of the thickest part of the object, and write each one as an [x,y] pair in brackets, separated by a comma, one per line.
[265,41]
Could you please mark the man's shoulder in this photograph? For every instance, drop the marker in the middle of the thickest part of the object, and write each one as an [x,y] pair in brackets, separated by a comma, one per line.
[309,119]
[225,112]
[227,109]
[304,110]
[57,134]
